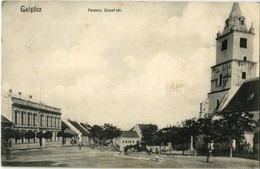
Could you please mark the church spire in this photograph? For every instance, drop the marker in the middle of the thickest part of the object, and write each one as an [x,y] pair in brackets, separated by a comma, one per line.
[235,21]
[235,12]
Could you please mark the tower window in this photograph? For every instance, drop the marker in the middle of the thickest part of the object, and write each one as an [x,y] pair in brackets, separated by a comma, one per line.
[217,103]
[224,45]
[243,75]
[243,43]
[242,20]
[220,79]
[244,58]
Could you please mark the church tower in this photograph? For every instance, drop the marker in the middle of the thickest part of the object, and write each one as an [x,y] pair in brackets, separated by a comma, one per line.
[234,58]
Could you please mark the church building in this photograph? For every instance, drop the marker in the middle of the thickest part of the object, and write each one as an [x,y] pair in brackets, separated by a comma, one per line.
[234,61]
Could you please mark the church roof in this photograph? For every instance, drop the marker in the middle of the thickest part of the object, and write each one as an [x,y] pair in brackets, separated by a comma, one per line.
[246,98]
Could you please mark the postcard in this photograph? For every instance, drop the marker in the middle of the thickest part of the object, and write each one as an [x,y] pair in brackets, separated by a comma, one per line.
[155,84]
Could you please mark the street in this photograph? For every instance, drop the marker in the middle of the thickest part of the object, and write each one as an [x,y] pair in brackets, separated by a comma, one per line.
[88,157]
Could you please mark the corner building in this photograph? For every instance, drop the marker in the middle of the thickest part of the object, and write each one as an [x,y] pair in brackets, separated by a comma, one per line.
[26,115]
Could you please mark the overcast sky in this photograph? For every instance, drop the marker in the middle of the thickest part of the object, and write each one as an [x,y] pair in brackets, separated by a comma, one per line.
[148,64]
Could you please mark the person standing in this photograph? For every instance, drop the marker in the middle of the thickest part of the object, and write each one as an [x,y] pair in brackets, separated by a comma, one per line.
[7,152]
[156,154]
[210,151]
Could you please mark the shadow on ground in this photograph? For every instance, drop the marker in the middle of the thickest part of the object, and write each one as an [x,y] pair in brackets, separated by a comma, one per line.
[28,163]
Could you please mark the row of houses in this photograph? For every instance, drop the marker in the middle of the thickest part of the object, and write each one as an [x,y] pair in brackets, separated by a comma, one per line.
[25,115]
[37,125]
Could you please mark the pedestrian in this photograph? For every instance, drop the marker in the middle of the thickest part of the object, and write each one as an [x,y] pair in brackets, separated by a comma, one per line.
[148,150]
[210,151]
[79,145]
[7,152]
[125,150]
[156,154]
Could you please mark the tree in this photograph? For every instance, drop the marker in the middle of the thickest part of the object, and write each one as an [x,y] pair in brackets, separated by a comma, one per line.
[234,125]
[193,129]
[183,135]
[148,134]
[29,135]
[40,135]
[47,135]
[59,134]
[210,129]
[110,131]
[7,133]
[103,133]
[96,133]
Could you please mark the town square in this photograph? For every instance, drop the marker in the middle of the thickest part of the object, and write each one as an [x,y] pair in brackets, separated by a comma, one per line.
[100,158]
[130,84]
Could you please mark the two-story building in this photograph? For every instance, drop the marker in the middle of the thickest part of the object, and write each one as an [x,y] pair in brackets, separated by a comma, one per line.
[35,124]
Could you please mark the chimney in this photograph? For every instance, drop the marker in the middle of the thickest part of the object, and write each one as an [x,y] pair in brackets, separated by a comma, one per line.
[20,93]
[30,96]
[10,91]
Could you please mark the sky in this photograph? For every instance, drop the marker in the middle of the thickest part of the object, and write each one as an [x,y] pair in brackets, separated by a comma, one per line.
[149,63]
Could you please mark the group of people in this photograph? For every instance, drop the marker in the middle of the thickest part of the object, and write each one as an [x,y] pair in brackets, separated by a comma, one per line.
[157,153]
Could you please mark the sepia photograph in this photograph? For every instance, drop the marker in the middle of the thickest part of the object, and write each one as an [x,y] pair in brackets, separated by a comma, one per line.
[130,84]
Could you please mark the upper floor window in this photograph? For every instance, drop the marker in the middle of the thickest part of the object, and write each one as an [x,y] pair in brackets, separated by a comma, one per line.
[245,58]
[29,119]
[34,119]
[15,117]
[55,122]
[51,121]
[22,118]
[243,43]
[42,120]
[58,122]
[224,45]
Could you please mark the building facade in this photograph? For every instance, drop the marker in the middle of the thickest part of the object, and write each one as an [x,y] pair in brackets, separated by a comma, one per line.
[234,60]
[127,138]
[31,116]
